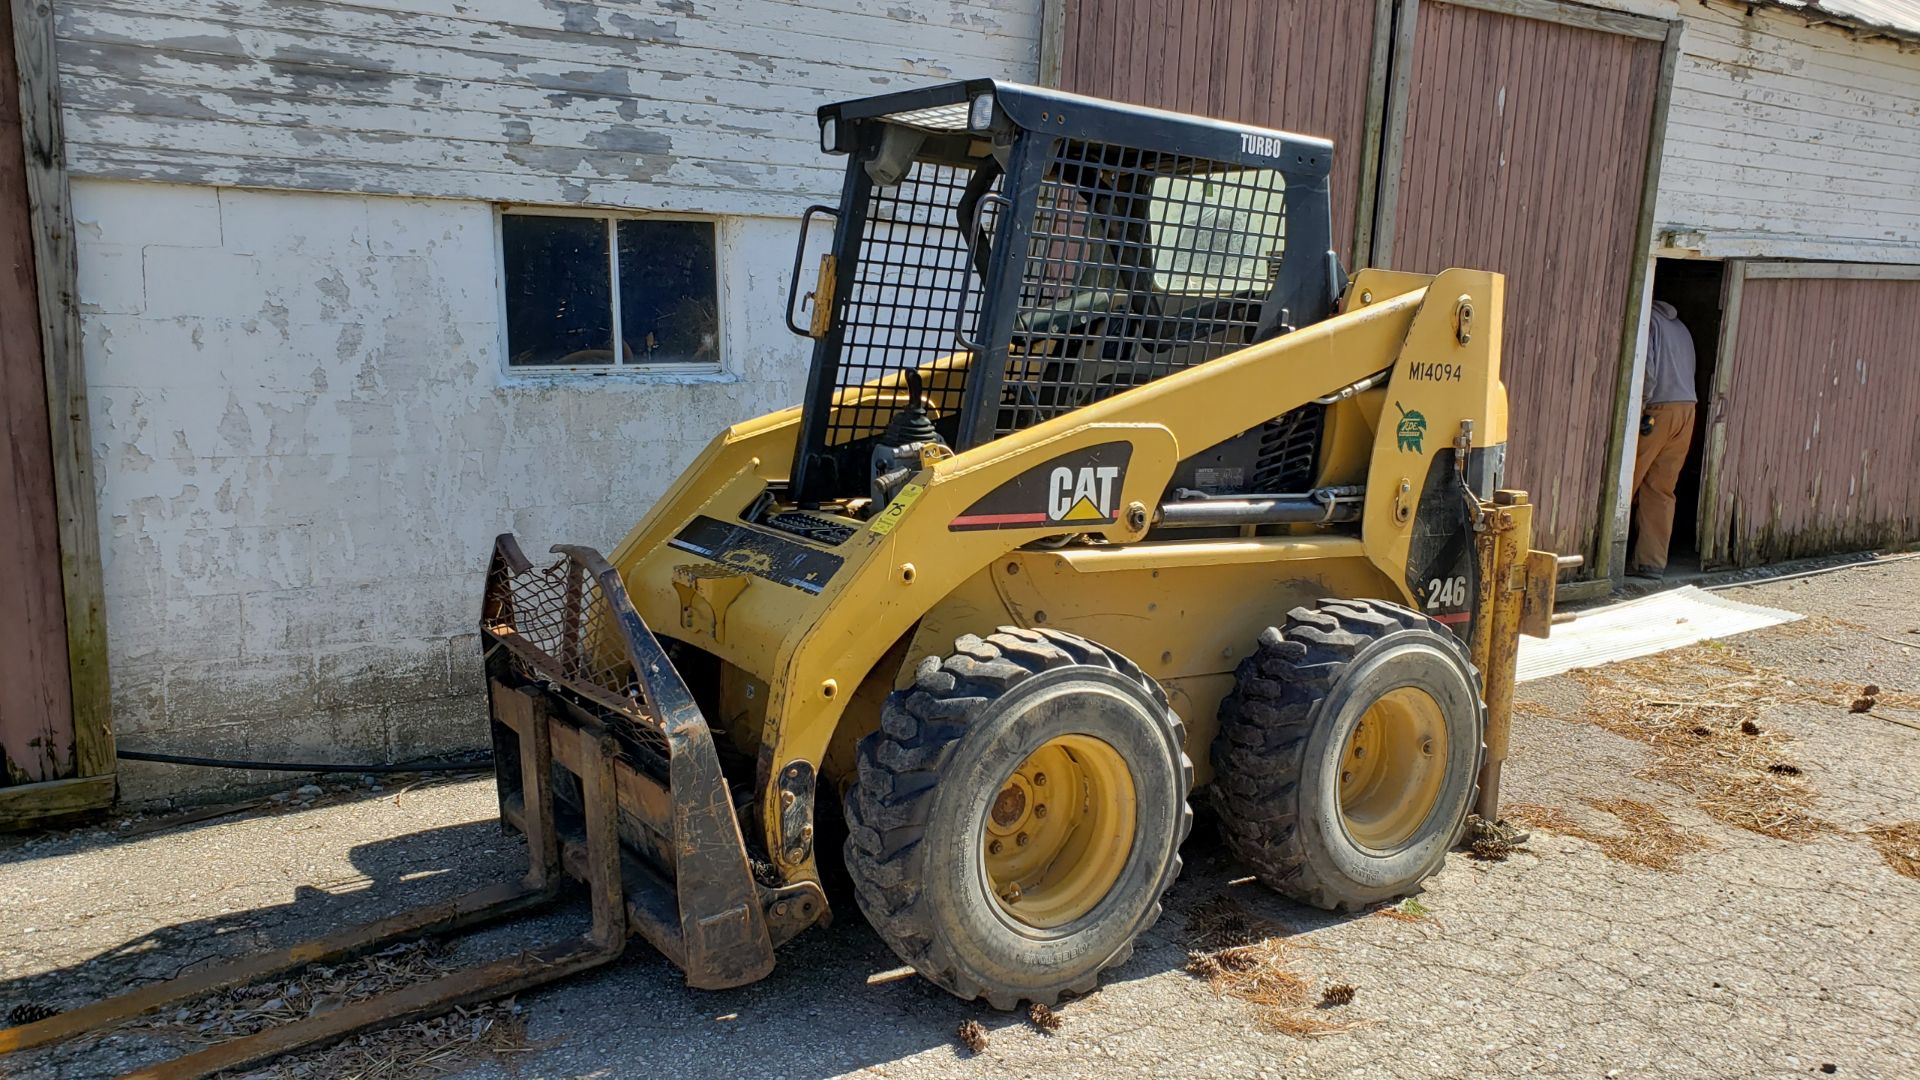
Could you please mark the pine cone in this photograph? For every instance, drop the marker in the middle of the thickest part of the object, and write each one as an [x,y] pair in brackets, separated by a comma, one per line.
[31,1012]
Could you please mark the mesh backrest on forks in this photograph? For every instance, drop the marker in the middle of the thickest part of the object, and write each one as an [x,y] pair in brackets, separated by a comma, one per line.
[564,634]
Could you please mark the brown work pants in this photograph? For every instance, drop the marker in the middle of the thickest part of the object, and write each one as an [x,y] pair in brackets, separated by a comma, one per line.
[1656,469]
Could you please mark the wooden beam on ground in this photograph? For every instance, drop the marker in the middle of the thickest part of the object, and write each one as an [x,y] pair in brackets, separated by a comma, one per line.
[26,806]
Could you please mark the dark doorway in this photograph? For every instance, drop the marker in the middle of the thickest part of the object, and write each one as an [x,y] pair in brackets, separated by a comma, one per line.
[1694,288]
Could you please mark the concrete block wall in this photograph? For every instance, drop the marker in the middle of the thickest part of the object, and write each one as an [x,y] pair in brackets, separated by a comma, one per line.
[306,441]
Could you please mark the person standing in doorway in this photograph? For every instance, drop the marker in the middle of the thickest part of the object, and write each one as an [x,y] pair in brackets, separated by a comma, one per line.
[1666,433]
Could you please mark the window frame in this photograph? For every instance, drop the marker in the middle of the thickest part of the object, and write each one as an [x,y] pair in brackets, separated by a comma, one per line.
[618,368]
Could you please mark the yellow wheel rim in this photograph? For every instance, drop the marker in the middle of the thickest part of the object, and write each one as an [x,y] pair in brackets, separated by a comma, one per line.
[1391,768]
[1059,831]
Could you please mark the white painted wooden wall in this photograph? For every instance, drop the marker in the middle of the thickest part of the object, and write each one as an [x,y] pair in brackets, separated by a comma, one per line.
[691,105]
[1790,141]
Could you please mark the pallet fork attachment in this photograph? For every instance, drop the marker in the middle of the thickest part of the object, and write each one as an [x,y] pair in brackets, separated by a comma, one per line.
[602,943]
[608,767]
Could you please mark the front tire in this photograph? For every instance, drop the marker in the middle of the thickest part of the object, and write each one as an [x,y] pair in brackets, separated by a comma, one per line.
[1349,752]
[1018,815]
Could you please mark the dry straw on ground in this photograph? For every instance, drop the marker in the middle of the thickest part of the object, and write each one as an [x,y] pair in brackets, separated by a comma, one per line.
[1646,836]
[1242,956]
[1407,911]
[1494,849]
[1899,844]
[426,1048]
[1697,710]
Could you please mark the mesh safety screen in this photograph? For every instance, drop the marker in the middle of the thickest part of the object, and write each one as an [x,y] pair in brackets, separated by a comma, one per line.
[911,293]
[1138,265]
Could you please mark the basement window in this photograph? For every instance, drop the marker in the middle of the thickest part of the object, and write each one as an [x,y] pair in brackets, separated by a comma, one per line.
[604,293]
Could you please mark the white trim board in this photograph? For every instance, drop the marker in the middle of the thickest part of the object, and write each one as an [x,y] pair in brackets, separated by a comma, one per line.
[1652,624]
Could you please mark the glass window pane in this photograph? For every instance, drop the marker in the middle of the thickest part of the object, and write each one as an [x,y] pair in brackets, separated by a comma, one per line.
[559,290]
[669,297]
[1218,234]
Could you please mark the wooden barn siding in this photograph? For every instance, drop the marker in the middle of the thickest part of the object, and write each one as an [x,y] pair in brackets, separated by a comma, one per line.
[1296,65]
[1523,152]
[668,105]
[36,699]
[1822,441]
[1790,141]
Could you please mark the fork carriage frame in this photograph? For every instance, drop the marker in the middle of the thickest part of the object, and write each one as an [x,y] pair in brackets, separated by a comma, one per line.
[689,884]
[594,859]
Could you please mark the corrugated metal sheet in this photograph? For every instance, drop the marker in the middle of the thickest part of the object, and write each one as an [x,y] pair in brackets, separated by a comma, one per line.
[1643,627]
[1296,65]
[1822,415]
[1901,18]
[1524,152]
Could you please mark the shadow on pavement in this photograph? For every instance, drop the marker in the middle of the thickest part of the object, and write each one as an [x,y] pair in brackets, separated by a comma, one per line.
[817,1015]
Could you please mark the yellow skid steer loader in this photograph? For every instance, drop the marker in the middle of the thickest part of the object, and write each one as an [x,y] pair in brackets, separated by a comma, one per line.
[1109,491]
[1107,486]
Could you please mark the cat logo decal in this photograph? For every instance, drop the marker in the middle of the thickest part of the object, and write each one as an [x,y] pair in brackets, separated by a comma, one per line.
[1078,488]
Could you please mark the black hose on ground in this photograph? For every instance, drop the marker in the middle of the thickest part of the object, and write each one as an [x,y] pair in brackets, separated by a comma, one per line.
[466,765]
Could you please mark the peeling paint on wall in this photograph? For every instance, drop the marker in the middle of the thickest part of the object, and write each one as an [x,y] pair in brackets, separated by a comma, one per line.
[1788,140]
[690,107]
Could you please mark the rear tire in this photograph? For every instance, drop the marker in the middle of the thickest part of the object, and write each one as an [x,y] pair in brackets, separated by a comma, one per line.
[1300,799]
[957,858]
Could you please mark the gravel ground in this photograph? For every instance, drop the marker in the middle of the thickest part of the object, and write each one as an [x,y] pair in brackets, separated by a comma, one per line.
[1753,957]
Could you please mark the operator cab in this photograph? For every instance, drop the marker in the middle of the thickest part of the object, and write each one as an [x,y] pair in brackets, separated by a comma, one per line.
[1004,254]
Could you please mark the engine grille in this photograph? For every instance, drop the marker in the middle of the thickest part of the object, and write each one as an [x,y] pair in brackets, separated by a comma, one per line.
[811,527]
[1289,451]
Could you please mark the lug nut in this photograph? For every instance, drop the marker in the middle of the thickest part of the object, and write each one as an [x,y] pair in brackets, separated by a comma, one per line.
[1021,839]
[1040,810]
[1040,778]
[1346,778]
[1427,748]
[1359,752]
[994,848]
